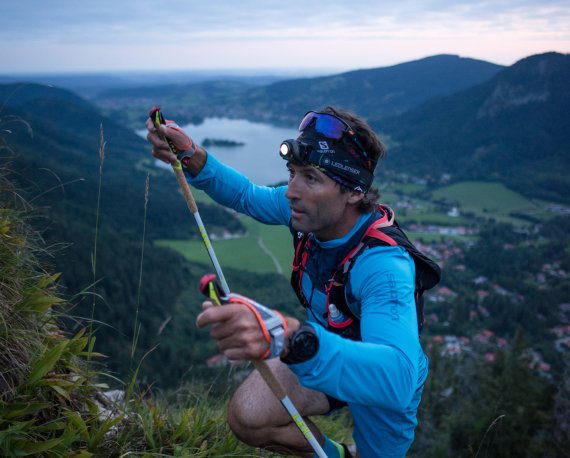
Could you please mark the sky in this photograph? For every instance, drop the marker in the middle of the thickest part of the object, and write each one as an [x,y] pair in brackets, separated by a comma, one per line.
[53,36]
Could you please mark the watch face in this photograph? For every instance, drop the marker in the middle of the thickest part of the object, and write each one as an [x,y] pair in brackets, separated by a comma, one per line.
[305,345]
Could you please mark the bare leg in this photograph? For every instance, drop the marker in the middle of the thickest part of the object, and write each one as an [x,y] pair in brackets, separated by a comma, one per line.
[257,418]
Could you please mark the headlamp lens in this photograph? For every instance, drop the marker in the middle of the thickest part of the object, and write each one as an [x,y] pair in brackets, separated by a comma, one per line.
[285,151]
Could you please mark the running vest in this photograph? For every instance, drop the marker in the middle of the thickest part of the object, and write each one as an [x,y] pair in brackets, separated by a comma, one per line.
[383,231]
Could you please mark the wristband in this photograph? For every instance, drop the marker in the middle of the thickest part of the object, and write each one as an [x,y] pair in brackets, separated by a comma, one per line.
[271,322]
[183,153]
[184,156]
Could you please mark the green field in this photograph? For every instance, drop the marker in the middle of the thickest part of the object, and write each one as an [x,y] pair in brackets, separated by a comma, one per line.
[491,200]
[481,199]
[244,253]
[424,212]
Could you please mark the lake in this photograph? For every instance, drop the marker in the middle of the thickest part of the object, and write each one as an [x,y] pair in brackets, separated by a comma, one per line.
[258,158]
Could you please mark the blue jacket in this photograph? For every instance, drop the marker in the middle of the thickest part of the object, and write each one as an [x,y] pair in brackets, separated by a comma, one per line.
[381,377]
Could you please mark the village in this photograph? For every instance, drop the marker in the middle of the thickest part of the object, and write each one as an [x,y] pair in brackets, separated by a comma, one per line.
[442,304]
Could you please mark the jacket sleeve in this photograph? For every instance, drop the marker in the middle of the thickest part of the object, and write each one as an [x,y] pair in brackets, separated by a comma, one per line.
[232,189]
[382,369]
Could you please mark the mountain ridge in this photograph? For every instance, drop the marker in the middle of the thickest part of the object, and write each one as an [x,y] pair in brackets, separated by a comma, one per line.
[373,93]
[377,92]
[512,128]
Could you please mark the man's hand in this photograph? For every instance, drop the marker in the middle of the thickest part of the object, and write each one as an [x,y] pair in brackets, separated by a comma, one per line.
[236,329]
[172,131]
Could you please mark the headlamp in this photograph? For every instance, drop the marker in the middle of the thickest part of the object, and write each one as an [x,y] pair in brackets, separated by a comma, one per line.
[321,145]
[333,159]
[294,150]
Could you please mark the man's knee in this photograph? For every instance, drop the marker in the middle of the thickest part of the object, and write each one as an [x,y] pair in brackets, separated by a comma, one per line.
[247,420]
[254,413]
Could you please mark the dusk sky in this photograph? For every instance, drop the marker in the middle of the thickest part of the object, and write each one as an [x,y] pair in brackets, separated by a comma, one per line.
[43,36]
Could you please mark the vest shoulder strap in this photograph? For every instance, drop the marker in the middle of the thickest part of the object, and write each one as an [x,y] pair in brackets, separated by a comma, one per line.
[385,233]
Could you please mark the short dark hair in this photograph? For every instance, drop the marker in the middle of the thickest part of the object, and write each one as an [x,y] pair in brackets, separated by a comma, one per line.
[365,134]
[371,144]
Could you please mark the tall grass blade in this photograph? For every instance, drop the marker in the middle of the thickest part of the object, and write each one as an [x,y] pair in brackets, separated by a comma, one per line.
[27,448]
[96,439]
[495,421]
[137,327]
[97,213]
[45,363]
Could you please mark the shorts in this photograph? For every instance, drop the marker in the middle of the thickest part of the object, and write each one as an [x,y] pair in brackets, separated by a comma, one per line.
[335,404]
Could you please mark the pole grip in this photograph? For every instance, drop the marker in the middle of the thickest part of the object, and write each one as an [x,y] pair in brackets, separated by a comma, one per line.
[274,384]
[184,186]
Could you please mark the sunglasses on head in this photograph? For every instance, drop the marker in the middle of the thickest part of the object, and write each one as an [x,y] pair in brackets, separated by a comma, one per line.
[330,126]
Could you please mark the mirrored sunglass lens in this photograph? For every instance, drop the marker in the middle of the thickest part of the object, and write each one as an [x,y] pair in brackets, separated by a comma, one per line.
[307,120]
[330,126]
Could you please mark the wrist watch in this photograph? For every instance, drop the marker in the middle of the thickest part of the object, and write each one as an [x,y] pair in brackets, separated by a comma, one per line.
[303,345]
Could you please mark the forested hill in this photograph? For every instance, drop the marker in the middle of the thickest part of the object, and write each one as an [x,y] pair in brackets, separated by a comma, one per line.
[55,136]
[513,128]
[51,145]
[374,93]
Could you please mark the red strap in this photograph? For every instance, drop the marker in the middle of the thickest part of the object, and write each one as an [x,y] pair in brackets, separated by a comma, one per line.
[303,244]
[378,234]
[374,230]
[264,330]
[302,252]
[351,253]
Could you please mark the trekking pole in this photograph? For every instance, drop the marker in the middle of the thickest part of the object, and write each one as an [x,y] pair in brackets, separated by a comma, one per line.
[260,365]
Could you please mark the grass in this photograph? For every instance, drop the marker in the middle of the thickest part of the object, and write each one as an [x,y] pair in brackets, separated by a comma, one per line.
[491,200]
[424,212]
[52,403]
[244,253]
[483,196]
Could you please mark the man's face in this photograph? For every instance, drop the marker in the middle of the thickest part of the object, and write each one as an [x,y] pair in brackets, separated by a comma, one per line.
[317,203]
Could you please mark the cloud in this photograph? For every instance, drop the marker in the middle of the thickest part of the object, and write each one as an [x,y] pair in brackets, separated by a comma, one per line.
[105,20]
[254,33]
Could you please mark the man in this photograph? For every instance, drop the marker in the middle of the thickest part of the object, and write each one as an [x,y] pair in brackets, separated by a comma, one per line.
[360,345]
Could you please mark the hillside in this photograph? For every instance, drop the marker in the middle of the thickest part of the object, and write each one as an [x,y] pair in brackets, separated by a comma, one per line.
[497,330]
[53,129]
[51,142]
[52,390]
[190,102]
[512,128]
[374,93]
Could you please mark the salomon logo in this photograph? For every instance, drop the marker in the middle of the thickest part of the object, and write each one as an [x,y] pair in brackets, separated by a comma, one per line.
[323,145]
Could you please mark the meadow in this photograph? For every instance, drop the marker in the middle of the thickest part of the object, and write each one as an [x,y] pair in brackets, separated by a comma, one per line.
[264,249]
[268,248]
[492,200]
